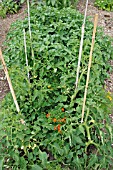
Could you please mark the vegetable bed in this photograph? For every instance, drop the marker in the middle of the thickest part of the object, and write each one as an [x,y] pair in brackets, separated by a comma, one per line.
[48,132]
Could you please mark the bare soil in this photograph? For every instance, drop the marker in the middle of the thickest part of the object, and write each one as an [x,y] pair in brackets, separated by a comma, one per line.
[6,23]
[105,21]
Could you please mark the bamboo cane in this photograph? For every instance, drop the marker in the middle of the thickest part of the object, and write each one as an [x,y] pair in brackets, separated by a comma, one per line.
[9,81]
[25,50]
[28,8]
[81,46]
[29,23]
[89,65]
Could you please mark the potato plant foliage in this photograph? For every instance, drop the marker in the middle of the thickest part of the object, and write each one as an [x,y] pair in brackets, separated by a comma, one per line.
[60,3]
[10,7]
[104,4]
[52,135]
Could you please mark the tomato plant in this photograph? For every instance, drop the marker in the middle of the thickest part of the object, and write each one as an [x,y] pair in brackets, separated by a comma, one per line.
[52,135]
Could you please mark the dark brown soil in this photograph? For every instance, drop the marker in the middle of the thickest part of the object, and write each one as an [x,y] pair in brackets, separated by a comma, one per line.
[4,88]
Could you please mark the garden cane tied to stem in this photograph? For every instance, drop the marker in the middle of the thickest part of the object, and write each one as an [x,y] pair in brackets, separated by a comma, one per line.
[89,65]
[81,45]
[9,81]
[25,50]
[28,8]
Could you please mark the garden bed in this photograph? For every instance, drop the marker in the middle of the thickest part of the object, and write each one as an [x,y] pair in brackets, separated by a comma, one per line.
[48,132]
[105,21]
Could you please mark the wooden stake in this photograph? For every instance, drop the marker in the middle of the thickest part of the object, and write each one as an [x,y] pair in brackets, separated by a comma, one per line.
[89,65]
[9,81]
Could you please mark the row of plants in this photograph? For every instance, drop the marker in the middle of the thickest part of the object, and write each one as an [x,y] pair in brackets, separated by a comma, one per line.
[60,3]
[104,4]
[101,4]
[10,7]
[48,132]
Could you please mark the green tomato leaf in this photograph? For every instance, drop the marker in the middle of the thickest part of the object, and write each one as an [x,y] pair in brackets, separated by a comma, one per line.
[36,167]
[1,162]
[43,157]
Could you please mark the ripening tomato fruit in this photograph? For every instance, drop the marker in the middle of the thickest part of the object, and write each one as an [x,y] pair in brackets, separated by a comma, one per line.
[55,128]
[48,115]
[54,120]
[58,127]
[63,110]
[63,120]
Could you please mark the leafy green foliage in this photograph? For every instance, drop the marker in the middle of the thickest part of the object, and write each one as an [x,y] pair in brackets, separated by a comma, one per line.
[60,3]
[104,4]
[48,134]
[10,6]
[1,162]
